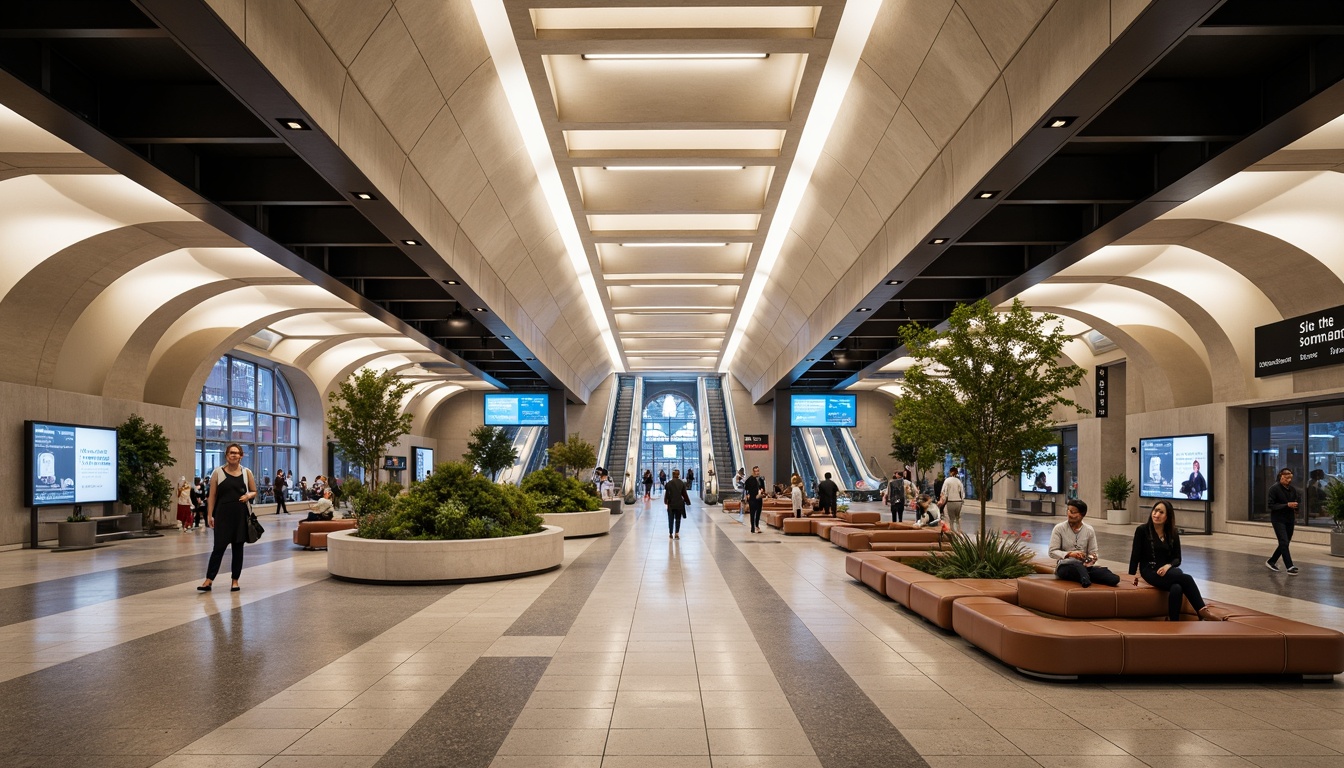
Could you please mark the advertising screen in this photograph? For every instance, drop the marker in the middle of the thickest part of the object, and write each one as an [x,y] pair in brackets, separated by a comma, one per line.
[70,464]
[517,410]
[822,411]
[395,463]
[1044,477]
[1176,467]
[423,463]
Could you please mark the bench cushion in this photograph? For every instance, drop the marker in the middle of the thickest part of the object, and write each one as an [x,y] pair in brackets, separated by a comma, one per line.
[933,599]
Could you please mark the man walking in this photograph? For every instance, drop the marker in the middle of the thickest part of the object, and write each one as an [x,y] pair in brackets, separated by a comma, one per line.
[827,494]
[676,499]
[754,491]
[1073,546]
[1283,504]
[954,496]
[279,488]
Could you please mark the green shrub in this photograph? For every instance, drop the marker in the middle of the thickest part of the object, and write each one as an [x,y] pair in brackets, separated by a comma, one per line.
[989,557]
[452,503]
[554,492]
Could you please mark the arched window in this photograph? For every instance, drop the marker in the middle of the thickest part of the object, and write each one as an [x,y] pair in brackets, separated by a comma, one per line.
[670,436]
[250,404]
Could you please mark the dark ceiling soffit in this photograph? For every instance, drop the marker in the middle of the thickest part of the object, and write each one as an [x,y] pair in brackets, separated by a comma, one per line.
[1159,29]
[205,37]
[72,129]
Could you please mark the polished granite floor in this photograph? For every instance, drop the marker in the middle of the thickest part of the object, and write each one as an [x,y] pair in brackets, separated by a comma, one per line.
[722,649]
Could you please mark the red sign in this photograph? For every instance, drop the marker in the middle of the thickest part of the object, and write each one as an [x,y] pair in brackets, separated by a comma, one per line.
[755,442]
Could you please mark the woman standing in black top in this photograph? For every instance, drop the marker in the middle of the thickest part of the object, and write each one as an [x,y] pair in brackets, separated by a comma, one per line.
[1156,556]
[231,487]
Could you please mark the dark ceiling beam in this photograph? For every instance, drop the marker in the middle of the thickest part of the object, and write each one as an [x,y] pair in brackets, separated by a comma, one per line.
[65,16]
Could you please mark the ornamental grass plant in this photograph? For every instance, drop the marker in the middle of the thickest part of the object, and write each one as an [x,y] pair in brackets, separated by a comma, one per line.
[452,503]
[991,556]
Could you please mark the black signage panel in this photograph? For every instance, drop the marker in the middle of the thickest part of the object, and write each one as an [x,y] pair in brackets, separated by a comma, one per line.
[1103,392]
[1299,343]
[394,463]
[755,442]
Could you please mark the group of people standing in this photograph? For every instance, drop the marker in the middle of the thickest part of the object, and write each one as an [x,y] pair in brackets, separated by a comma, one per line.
[900,493]
[280,489]
[647,479]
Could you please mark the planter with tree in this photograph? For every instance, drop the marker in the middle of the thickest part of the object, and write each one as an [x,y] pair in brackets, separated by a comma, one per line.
[143,453]
[985,389]
[574,455]
[456,525]
[1116,490]
[1333,505]
[366,418]
[491,450]
[568,503]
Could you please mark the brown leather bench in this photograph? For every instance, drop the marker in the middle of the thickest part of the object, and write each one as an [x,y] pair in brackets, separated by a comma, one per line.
[312,534]
[934,599]
[1073,643]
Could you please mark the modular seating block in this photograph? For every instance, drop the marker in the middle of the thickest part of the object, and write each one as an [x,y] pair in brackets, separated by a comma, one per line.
[854,564]
[797,525]
[934,599]
[1038,644]
[1071,599]
[312,534]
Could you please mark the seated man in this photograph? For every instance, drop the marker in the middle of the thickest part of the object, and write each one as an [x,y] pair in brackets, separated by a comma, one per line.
[322,510]
[1073,545]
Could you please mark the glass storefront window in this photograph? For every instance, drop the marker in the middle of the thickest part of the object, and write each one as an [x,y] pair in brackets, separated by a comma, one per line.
[671,437]
[262,415]
[1309,440]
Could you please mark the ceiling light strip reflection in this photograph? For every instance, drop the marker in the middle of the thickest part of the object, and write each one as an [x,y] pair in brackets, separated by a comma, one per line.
[494,21]
[850,38]
[673,245]
[672,56]
[674,167]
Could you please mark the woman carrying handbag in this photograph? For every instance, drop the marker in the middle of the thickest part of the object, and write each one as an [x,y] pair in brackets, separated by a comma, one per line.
[231,488]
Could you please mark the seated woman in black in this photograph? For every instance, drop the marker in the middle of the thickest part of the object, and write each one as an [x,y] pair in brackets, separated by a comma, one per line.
[1156,556]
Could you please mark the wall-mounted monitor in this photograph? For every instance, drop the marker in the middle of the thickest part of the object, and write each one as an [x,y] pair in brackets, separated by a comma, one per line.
[510,410]
[394,463]
[422,462]
[1176,467]
[822,411]
[69,464]
[1043,477]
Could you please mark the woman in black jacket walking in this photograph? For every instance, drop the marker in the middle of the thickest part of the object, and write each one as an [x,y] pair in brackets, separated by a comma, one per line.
[1156,555]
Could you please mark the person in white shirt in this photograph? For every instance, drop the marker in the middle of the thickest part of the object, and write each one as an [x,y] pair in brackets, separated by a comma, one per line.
[796,495]
[954,496]
[926,512]
[1073,545]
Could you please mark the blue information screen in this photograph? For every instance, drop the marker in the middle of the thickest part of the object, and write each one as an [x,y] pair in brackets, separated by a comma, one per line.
[71,464]
[517,410]
[822,411]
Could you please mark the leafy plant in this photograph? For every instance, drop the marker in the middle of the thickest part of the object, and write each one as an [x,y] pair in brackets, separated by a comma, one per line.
[77,517]
[1117,489]
[992,556]
[554,492]
[452,503]
[574,454]
[143,453]
[490,449]
[985,390]
[1333,504]
[366,419]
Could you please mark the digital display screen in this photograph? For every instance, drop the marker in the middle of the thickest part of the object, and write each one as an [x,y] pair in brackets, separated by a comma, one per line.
[822,411]
[1176,467]
[396,463]
[503,410]
[1044,477]
[70,464]
[423,462]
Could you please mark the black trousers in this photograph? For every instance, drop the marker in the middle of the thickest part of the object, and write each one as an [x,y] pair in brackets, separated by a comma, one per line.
[754,505]
[1283,531]
[1178,585]
[1070,569]
[673,521]
[898,512]
[280,503]
[217,557]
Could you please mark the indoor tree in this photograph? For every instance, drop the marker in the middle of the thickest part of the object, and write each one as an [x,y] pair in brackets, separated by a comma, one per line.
[985,388]
[490,449]
[366,419]
[574,454]
[143,453]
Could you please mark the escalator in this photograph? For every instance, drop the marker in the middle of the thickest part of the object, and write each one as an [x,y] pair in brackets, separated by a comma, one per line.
[802,464]
[847,478]
[721,437]
[530,443]
[618,431]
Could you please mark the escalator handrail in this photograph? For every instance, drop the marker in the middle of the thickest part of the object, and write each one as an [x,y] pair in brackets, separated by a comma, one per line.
[604,444]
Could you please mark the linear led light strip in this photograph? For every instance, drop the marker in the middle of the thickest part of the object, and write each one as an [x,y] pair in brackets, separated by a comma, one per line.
[494,21]
[670,56]
[850,38]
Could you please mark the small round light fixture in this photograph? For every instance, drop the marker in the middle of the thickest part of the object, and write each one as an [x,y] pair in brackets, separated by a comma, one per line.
[293,124]
[363,195]
[938,241]
[895,282]
[987,194]
[479,309]
[1060,121]
[835,338]
[411,243]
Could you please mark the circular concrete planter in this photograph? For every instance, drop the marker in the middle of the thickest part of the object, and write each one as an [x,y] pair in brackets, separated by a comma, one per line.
[580,524]
[442,562]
